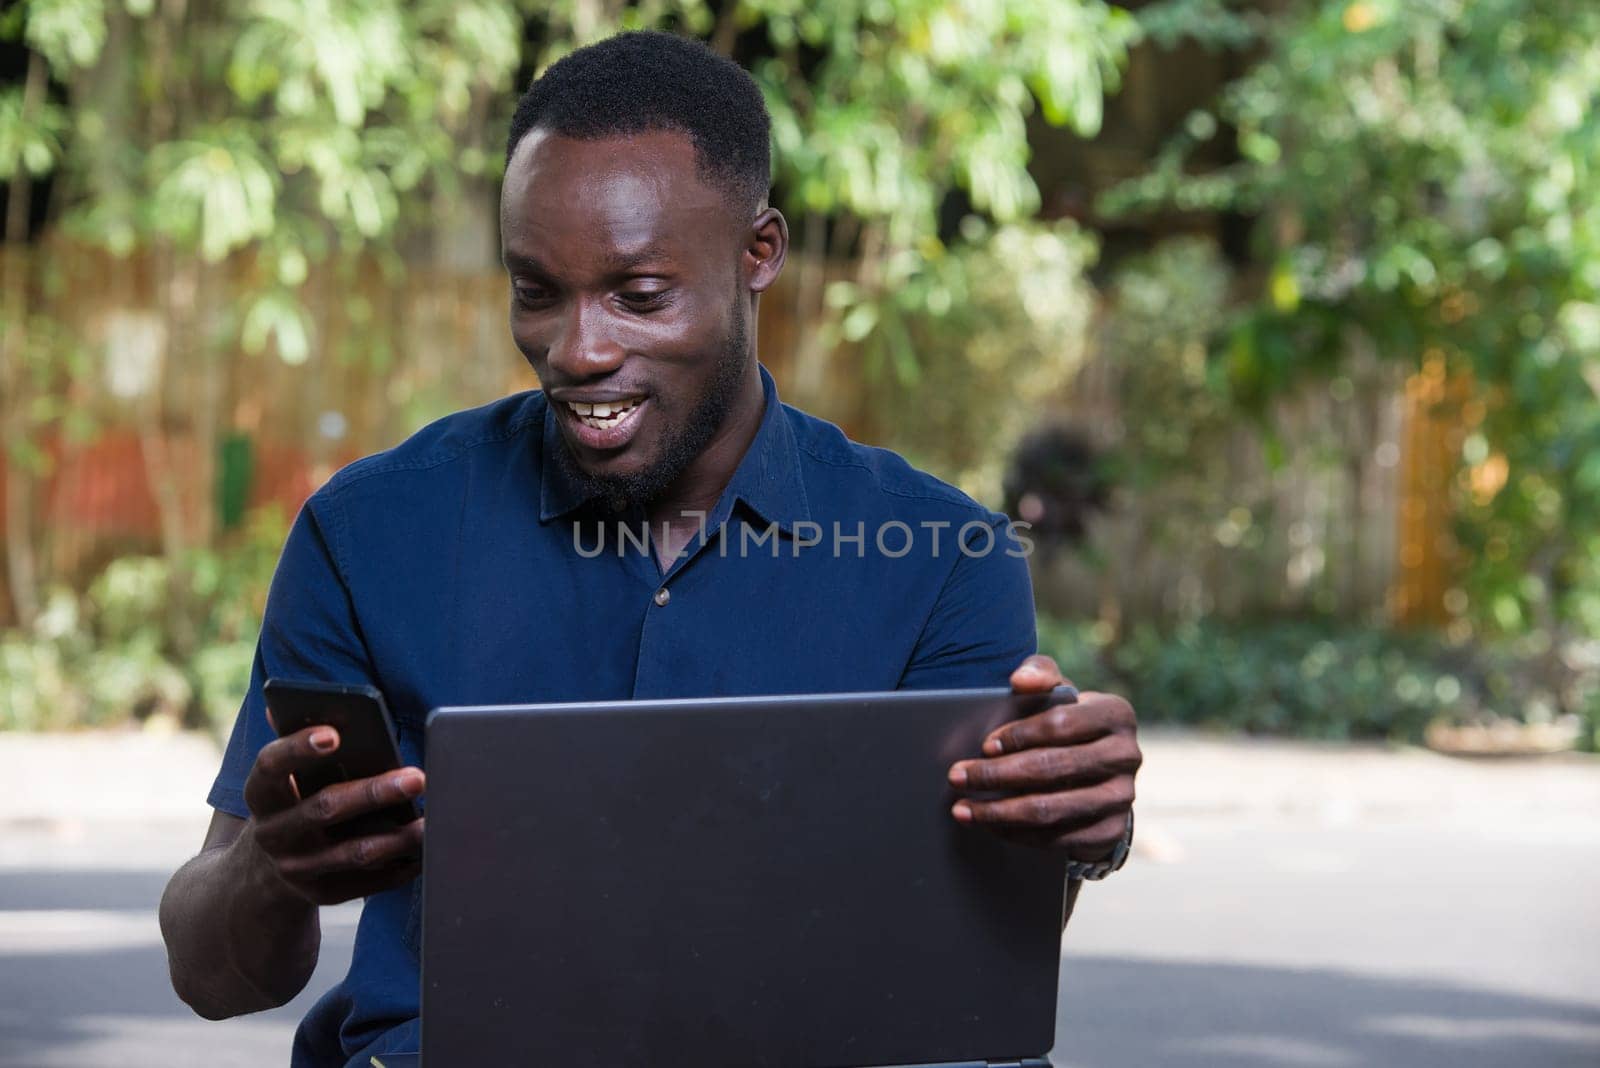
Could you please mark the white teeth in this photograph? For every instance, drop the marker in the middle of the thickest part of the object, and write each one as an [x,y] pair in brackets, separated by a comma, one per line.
[603,416]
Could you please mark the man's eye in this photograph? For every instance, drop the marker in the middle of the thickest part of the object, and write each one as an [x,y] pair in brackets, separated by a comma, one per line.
[530,294]
[644,299]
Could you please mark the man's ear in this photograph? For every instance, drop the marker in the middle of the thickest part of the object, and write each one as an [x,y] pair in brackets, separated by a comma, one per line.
[766,245]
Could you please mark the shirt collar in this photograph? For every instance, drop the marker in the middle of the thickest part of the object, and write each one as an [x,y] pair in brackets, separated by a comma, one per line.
[767,479]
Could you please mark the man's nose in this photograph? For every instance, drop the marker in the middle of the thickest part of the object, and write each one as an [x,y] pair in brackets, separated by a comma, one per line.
[586,345]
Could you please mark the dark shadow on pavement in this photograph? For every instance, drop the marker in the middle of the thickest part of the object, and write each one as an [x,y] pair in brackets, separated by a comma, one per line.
[57,1005]
[94,888]
[67,1006]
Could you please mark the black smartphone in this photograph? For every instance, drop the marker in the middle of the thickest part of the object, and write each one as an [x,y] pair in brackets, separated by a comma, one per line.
[366,744]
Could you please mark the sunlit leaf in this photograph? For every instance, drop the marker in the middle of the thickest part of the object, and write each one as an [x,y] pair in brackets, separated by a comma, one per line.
[69,33]
[30,139]
[277,316]
[219,194]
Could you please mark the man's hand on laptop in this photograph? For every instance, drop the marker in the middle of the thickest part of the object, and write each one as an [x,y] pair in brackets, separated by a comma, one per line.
[296,838]
[1066,774]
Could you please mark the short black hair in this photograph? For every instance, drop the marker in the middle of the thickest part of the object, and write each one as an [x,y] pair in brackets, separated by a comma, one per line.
[646,80]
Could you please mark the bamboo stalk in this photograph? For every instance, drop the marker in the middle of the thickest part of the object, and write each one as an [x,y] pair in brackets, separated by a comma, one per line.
[22,565]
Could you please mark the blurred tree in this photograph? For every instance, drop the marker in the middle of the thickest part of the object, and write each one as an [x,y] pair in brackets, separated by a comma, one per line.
[1425,175]
[882,110]
[279,133]
[30,129]
[989,332]
[279,143]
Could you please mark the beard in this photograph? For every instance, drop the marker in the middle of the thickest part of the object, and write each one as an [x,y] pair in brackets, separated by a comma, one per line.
[681,443]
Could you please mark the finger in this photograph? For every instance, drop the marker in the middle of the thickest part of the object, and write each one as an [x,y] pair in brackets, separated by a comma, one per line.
[348,886]
[365,854]
[343,801]
[1061,809]
[1037,674]
[1051,767]
[267,788]
[1091,716]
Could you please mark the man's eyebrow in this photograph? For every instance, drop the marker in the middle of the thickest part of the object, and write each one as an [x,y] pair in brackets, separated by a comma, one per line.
[615,262]
[515,260]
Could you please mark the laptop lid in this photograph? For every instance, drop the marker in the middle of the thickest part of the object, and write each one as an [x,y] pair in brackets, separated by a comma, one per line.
[737,881]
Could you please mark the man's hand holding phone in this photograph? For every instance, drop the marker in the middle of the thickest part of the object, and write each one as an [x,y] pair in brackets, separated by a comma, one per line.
[300,839]
[332,818]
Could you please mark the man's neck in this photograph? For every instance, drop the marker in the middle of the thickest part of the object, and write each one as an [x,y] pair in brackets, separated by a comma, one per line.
[681,511]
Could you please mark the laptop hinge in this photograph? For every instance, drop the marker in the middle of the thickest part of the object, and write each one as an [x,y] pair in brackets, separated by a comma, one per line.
[1027,1062]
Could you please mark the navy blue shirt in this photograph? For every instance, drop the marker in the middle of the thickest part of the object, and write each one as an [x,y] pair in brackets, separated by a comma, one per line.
[464,567]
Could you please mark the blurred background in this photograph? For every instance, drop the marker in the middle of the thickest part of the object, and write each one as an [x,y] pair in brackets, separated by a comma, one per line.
[1278,319]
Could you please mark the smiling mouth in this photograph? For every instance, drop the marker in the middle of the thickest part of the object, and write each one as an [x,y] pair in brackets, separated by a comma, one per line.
[605,416]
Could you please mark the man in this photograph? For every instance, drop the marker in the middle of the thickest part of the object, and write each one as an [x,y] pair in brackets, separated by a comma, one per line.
[488,559]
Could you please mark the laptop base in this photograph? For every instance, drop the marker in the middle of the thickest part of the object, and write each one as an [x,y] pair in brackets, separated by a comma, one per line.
[414,1060]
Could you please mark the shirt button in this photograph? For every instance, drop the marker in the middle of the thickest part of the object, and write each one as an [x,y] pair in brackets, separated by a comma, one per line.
[663,595]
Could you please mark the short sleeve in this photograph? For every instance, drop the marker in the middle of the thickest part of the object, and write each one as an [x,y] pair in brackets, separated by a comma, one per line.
[308,632]
[982,625]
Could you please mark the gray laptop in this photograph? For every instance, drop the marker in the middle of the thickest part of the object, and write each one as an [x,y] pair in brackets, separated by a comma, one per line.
[741,882]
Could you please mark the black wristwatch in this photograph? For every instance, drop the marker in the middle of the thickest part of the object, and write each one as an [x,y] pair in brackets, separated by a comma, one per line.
[1099,869]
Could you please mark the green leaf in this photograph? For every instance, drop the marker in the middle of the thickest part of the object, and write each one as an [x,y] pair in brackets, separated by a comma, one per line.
[216,194]
[1284,288]
[858,322]
[69,33]
[279,317]
[30,140]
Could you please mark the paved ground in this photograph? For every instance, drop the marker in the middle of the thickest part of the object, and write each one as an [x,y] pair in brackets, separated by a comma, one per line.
[1288,905]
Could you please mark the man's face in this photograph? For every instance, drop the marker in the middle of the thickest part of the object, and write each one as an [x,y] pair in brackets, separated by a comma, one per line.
[627,300]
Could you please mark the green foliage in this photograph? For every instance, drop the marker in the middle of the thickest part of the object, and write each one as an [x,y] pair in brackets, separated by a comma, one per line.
[274,136]
[1313,680]
[1167,308]
[276,316]
[1287,679]
[216,192]
[907,102]
[293,126]
[29,143]
[35,689]
[50,357]
[63,674]
[1214,23]
[995,325]
[908,92]
[1426,177]
[296,126]
[69,33]
[105,657]
[297,131]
